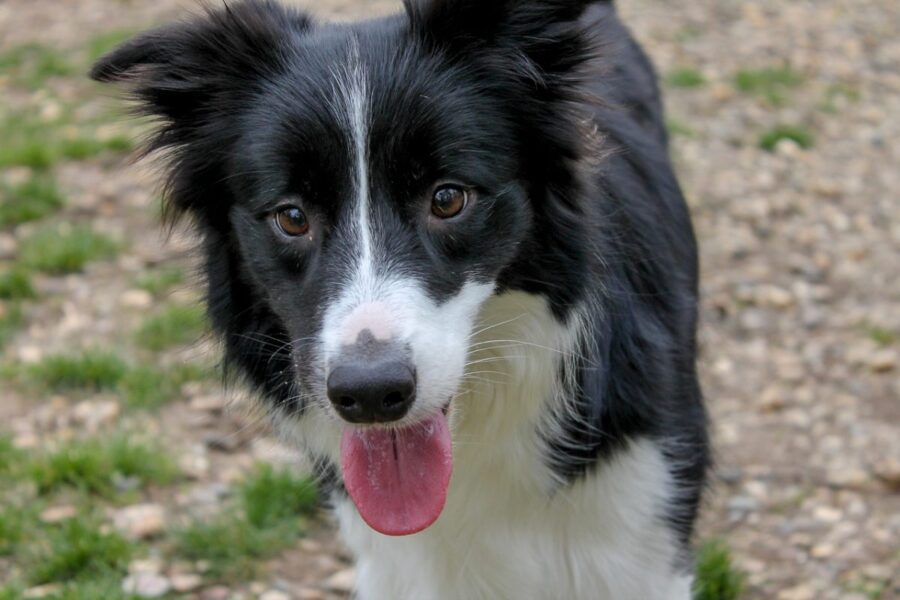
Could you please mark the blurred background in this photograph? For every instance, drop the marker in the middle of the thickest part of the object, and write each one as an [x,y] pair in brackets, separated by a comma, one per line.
[123,474]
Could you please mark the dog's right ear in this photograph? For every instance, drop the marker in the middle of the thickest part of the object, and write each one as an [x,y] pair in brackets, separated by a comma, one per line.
[182,71]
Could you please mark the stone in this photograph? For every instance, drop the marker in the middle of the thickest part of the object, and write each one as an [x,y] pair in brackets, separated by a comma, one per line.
[800,592]
[185,582]
[56,514]
[139,299]
[146,585]
[141,521]
[219,592]
[888,471]
[274,595]
[42,591]
[342,581]
[93,415]
[883,361]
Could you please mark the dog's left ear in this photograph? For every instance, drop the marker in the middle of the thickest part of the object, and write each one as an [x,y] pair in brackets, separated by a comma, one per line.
[184,72]
[546,32]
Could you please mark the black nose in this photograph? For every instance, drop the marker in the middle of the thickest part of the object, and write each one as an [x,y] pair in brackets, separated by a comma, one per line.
[379,391]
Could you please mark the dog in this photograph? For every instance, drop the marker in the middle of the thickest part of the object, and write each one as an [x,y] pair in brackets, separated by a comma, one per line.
[449,250]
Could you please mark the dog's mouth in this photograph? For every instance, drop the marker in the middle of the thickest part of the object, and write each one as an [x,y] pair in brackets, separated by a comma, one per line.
[398,477]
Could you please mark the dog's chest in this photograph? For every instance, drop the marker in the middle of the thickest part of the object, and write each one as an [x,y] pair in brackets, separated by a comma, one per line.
[602,538]
[510,529]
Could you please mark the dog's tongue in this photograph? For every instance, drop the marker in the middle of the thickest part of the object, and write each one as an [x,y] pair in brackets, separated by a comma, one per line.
[398,478]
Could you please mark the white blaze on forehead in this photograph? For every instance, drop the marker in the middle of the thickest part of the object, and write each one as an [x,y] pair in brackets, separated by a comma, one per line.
[353,105]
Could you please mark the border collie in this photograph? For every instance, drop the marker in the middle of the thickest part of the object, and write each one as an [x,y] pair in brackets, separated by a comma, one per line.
[449,250]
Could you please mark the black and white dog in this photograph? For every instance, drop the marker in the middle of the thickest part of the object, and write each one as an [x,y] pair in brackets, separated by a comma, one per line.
[451,241]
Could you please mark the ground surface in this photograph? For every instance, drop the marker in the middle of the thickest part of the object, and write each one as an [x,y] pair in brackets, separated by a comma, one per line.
[801,313]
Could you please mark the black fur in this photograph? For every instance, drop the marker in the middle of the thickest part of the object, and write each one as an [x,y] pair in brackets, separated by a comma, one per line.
[548,106]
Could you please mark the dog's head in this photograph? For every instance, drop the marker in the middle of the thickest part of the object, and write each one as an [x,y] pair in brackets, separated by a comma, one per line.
[362,190]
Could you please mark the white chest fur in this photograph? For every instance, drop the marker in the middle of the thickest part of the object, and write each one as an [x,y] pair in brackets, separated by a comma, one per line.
[508,531]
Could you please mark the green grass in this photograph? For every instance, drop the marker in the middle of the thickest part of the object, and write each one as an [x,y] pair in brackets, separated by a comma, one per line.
[271,497]
[159,282]
[29,201]
[81,148]
[31,65]
[10,456]
[677,127]
[770,83]
[63,250]
[79,550]
[801,135]
[686,77]
[38,143]
[269,517]
[11,319]
[174,326]
[880,335]
[93,370]
[230,545]
[104,587]
[15,284]
[95,466]
[148,388]
[15,525]
[716,576]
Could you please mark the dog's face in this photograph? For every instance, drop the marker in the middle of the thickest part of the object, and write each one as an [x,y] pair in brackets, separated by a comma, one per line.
[372,220]
[363,190]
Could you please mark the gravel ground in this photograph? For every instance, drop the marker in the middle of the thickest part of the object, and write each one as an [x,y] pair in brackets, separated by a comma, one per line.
[801,288]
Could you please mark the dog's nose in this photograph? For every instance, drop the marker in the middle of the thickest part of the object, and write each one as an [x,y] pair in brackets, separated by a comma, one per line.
[372,391]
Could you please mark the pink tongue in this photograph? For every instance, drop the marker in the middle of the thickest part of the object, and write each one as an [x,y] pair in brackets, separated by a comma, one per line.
[398,478]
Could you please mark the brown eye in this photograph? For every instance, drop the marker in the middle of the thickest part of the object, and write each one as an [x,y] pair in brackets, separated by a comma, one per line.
[292,221]
[449,201]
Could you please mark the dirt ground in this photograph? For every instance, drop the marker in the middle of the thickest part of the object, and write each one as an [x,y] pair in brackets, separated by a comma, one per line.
[801,284]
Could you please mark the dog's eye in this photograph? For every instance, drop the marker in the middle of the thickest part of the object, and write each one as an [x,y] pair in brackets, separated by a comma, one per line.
[449,201]
[291,221]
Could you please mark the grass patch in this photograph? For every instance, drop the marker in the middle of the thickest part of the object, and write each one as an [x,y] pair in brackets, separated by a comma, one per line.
[159,282]
[271,497]
[880,335]
[686,77]
[63,250]
[11,319]
[100,466]
[770,83]
[230,545]
[269,518]
[802,136]
[149,388]
[93,370]
[10,456]
[29,201]
[106,587]
[15,284]
[79,550]
[174,326]
[717,577]
[15,525]
[81,148]
[679,128]
[31,65]
[39,143]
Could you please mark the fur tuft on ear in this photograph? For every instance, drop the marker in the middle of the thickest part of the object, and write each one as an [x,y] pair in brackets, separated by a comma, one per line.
[175,69]
[189,74]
